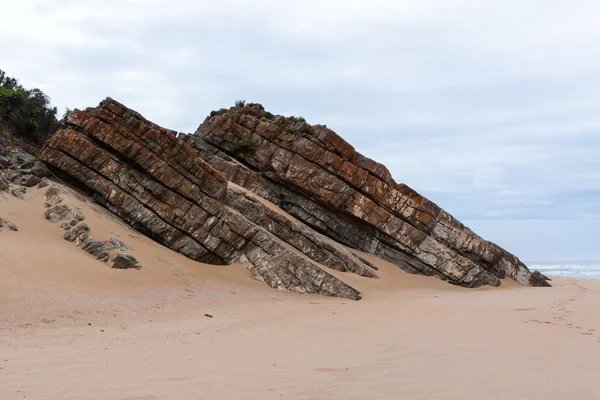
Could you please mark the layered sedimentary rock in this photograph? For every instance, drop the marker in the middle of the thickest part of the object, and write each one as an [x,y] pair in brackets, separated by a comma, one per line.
[217,197]
[161,187]
[320,179]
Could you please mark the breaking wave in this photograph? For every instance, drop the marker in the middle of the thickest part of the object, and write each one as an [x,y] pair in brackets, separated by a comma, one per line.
[573,270]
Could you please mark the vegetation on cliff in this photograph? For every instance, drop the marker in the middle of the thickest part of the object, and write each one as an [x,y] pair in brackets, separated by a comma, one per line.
[26,113]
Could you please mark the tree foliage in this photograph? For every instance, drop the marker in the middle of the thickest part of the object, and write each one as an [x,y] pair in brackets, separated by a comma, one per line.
[27,111]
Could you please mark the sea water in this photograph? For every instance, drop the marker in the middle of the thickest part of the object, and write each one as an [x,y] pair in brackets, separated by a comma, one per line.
[574,269]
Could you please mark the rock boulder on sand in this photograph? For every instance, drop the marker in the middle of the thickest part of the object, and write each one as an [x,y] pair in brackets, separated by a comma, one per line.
[125,261]
[40,170]
[31,181]
[63,212]
[8,224]
[4,184]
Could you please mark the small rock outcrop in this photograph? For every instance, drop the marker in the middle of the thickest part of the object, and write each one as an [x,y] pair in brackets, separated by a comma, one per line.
[19,171]
[80,233]
[4,184]
[125,261]
[31,181]
[217,197]
[63,212]
[8,224]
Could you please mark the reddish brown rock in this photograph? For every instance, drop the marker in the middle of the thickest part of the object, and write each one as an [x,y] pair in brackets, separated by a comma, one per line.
[178,192]
[160,186]
[319,178]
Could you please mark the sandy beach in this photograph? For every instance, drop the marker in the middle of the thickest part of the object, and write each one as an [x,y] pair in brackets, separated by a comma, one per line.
[73,328]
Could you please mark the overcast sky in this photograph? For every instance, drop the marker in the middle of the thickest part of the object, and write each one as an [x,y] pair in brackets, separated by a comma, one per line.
[489,108]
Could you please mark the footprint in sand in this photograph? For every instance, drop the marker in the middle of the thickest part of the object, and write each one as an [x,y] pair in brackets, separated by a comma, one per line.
[540,322]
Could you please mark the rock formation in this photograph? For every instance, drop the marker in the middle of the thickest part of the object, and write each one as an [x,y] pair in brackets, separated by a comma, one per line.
[161,187]
[215,197]
[316,176]
[81,235]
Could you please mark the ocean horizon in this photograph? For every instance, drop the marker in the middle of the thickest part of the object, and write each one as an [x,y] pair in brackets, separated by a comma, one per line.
[571,269]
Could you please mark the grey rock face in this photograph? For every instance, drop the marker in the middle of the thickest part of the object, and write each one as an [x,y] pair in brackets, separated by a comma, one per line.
[116,244]
[52,197]
[81,235]
[8,224]
[40,170]
[14,175]
[22,159]
[78,234]
[4,184]
[58,213]
[97,250]
[31,181]
[18,192]
[4,162]
[317,247]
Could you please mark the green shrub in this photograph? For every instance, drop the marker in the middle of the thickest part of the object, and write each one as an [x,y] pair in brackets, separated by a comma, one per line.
[296,119]
[240,103]
[307,129]
[27,111]
[265,114]
[213,113]
[260,106]
[291,130]
[243,145]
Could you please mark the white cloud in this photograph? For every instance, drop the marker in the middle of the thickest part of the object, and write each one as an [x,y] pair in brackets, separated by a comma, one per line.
[490,108]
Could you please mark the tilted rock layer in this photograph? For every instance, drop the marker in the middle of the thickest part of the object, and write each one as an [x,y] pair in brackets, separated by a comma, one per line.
[161,187]
[208,196]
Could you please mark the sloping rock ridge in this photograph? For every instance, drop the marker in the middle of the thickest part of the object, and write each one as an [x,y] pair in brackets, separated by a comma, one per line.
[320,179]
[214,197]
[161,187]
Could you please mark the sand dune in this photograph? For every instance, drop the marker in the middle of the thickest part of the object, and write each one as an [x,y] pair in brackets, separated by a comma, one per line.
[73,328]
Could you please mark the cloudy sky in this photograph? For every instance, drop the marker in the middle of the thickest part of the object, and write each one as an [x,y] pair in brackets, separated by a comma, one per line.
[491,109]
